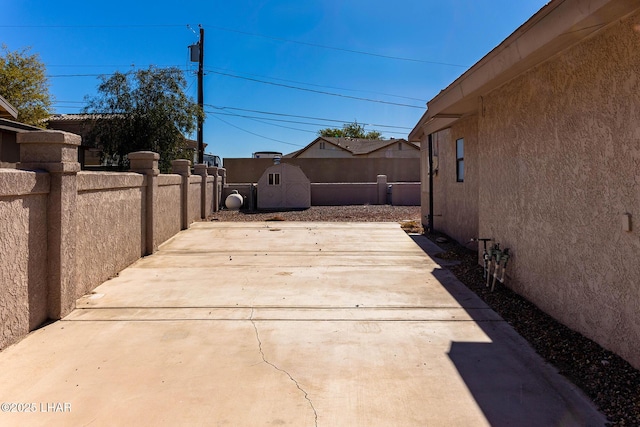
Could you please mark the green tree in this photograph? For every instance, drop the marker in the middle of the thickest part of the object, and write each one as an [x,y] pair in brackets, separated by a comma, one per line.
[24,84]
[350,130]
[142,110]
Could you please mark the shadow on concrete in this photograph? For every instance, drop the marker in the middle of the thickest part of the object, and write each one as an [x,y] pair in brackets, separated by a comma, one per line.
[511,384]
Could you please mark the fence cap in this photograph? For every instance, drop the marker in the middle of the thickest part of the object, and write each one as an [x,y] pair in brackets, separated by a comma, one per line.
[48,137]
[143,155]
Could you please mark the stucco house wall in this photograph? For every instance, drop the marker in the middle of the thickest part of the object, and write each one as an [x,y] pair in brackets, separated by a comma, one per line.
[559,165]
[9,150]
[455,204]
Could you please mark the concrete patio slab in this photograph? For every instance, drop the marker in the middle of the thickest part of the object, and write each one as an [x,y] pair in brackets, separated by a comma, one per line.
[300,324]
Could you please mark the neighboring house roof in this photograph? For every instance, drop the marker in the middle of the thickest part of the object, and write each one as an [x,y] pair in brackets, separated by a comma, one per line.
[77,117]
[7,111]
[13,126]
[557,26]
[292,155]
[355,146]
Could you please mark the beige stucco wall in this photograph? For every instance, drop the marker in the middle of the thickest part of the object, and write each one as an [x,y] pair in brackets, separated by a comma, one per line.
[58,245]
[23,253]
[195,194]
[405,194]
[110,219]
[560,162]
[455,204]
[336,194]
[168,209]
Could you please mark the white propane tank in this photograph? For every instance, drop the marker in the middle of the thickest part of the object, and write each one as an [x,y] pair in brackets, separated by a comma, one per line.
[233,201]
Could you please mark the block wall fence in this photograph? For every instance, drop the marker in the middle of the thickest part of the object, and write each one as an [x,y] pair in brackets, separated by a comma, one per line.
[64,231]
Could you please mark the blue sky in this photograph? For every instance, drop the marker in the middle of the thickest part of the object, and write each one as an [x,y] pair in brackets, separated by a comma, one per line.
[276,71]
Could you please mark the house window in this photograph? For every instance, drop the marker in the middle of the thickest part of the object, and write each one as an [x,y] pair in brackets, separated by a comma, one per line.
[399,146]
[274,179]
[322,145]
[460,160]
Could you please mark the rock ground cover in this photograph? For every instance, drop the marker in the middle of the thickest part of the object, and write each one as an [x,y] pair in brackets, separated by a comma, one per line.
[608,380]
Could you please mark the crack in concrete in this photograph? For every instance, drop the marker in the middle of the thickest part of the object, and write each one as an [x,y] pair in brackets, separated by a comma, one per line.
[264,359]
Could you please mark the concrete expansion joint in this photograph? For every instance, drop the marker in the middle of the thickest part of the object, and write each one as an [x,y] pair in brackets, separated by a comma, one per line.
[264,359]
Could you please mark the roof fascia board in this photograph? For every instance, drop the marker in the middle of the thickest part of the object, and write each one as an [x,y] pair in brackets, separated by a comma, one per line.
[10,109]
[557,26]
[391,142]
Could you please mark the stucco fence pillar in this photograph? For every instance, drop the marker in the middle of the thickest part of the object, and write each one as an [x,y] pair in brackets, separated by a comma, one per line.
[183,168]
[57,153]
[223,176]
[146,163]
[382,189]
[201,169]
[217,187]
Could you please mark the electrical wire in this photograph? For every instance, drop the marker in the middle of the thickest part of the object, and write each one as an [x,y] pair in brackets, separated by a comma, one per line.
[269,119]
[246,33]
[316,91]
[302,117]
[359,52]
[228,72]
[322,86]
[255,134]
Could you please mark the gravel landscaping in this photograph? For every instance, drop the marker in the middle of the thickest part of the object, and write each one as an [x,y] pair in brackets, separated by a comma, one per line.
[608,380]
[360,213]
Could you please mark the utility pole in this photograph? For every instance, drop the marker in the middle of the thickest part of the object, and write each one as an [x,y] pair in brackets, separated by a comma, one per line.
[201,96]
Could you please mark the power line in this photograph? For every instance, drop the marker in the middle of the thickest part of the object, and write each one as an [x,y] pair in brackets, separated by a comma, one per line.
[324,86]
[316,91]
[302,117]
[268,83]
[255,134]
[226,72]
[246,33]
[269,113]
[96,26]
[260,120]
[359,52]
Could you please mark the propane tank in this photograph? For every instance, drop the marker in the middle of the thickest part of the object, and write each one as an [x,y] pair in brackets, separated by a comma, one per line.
[234,201]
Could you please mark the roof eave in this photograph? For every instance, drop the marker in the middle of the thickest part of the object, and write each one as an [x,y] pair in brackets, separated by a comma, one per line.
[7,111]
[557,26]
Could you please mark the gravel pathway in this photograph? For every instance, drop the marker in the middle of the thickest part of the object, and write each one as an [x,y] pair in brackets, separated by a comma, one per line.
[608,380]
